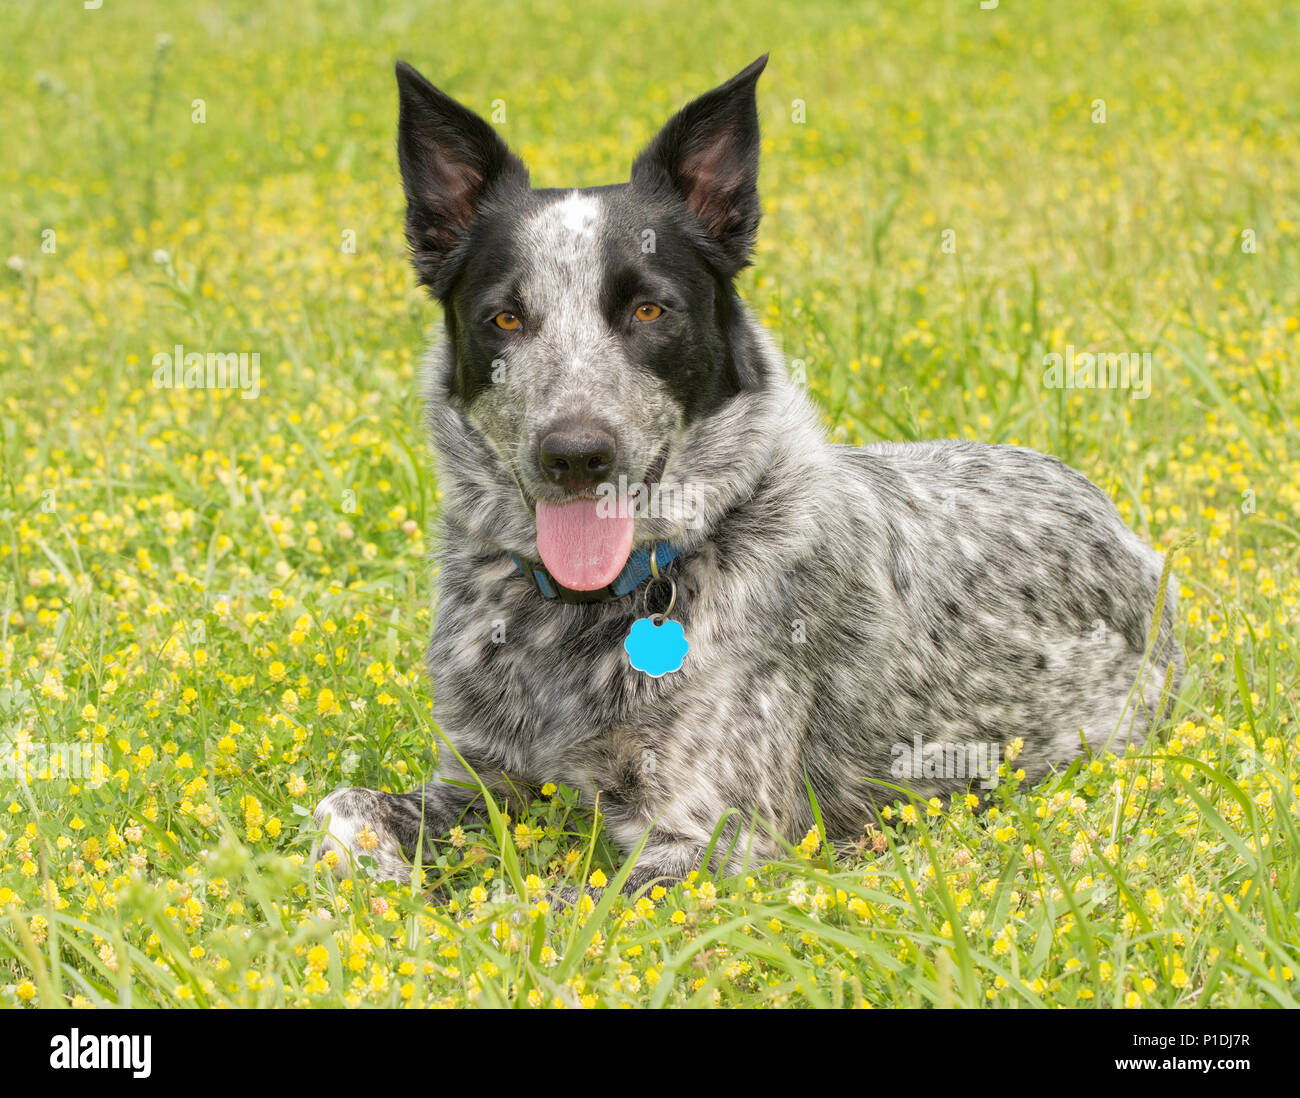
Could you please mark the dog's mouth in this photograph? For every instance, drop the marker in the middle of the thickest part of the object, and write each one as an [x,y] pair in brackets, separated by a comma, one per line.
[584,541]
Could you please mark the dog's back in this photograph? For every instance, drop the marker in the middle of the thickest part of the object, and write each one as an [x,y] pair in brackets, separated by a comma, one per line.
[992,594]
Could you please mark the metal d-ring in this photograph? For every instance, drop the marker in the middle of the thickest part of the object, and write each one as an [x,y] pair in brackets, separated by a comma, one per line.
[657,577]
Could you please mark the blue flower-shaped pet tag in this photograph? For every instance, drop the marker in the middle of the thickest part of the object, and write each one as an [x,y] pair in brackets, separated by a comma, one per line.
[656,649]
[656,644]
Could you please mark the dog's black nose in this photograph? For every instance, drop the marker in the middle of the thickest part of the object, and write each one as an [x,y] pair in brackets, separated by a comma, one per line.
[577,456]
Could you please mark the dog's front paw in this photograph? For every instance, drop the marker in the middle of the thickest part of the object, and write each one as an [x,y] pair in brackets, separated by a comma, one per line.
[355,830]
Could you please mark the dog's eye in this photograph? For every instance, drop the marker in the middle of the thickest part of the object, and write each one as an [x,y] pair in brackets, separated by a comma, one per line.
[648,312]
[507,322]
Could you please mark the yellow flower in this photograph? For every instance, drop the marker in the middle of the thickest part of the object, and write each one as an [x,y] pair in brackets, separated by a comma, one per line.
[810,843]
[253,812]
[597,879]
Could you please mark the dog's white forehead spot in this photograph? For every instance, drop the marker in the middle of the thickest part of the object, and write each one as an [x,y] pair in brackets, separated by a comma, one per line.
[564,237]
[578,213]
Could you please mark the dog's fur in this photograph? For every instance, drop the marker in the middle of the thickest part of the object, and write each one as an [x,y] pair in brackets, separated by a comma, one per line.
[839,601]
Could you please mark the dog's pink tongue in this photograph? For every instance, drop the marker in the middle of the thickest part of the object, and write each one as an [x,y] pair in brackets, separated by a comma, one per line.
[583,549]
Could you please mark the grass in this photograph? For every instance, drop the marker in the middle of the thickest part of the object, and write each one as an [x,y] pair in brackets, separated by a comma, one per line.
[224,601]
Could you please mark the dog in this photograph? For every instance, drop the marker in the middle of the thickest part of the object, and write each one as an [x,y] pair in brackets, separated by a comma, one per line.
[837,622]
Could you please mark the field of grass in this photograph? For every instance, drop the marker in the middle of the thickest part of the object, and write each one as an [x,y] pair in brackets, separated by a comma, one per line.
[222,602]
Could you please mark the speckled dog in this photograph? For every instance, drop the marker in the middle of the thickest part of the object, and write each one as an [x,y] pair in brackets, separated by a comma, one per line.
[894,613]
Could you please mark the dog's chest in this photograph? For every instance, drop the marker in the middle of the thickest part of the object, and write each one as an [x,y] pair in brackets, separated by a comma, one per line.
[539,683]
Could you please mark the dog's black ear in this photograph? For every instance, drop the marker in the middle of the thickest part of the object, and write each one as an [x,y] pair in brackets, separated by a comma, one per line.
[451,161]
[708,154]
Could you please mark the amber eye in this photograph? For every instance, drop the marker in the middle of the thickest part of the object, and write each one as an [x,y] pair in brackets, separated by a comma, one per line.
[507,322]
[648,312]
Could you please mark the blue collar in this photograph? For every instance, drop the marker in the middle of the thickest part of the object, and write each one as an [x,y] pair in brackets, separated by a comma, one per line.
[634,574]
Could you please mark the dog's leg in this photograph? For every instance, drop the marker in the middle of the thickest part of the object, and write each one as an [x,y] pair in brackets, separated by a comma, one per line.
[386,826]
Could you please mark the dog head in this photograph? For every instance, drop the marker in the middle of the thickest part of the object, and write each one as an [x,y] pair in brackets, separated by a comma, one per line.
[590,333]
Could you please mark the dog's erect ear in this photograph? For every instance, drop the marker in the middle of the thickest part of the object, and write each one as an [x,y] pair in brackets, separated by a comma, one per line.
[451,161]
[708,154]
